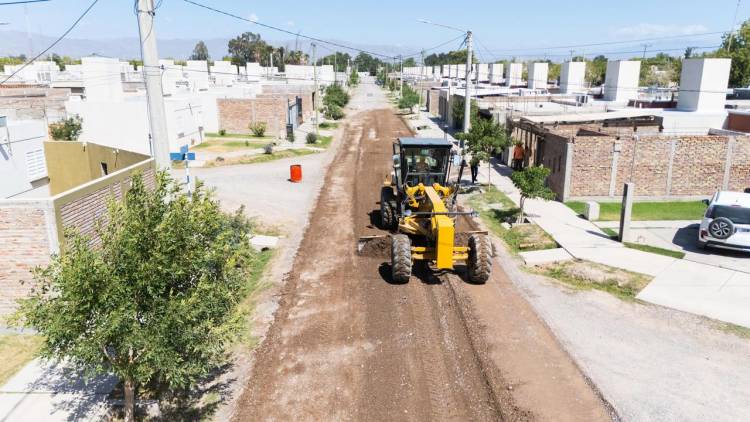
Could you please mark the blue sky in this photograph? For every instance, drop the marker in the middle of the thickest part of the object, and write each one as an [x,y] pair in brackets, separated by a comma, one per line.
[502,28]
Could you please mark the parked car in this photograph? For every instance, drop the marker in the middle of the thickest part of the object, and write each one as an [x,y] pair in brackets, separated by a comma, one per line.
[726,223]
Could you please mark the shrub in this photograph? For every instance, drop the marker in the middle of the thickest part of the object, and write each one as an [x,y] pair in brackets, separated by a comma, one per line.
[332,111]
[222,132]
[67,130]
[258,129]
[311,138]
[335,95]
[268,149]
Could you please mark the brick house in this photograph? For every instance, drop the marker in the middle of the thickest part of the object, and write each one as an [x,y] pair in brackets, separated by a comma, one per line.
[595,159]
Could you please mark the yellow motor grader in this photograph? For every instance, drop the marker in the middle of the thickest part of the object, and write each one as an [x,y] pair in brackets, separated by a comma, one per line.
[417,204]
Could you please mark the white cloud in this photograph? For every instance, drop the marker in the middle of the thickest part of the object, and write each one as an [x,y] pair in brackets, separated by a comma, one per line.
[642,30]
[253,17]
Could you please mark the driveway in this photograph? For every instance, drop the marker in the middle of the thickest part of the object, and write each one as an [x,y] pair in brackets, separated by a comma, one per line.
[681,236]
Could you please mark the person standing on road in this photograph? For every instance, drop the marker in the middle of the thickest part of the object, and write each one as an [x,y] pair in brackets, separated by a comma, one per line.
[474,164]
[518,154]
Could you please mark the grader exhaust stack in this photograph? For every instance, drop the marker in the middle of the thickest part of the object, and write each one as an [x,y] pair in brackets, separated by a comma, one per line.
[413,206]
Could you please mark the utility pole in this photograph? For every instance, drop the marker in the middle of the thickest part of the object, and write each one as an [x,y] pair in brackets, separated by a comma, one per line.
[270,68]
[401,78]
[734,23]
[571,54]
[421,78]
[645,47]
[467,95]
[335,71]
[315,78]
[152,76]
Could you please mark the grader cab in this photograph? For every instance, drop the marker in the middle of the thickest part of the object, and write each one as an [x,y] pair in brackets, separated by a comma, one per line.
[418,204]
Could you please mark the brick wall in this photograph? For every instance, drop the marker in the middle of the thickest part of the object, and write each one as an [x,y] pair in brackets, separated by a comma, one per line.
[433,101]
[739,122]
[30,229]
[235,115]
[698,165]
[34,103]
[26,244]
[292,91]
[554,158]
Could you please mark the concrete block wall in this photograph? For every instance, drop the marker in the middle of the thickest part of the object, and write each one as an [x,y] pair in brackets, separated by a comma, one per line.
[101,78]
[197,73]
[703,84]
[235,115]
[572,77]
[538,73]
[433,101]
[482,72]
[621,80]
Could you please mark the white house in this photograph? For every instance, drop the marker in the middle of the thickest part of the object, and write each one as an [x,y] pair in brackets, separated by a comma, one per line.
[22,163]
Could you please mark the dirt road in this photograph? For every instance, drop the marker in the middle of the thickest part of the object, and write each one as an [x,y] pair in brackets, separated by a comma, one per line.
[348,344]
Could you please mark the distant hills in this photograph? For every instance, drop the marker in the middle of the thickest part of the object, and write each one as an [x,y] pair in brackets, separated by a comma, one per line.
[16,42]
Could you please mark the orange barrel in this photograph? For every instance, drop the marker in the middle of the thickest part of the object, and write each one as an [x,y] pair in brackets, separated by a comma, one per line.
[295,173]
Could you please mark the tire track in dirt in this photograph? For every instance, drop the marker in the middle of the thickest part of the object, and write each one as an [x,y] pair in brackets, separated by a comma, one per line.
[349,344]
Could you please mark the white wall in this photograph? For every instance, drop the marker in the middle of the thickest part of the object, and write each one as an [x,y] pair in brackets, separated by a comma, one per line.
[538,73]
[496,73]
[101,78]
[572,77]
[224,73]
[197,74]
[514,74]
[170,74]
[703,84]
[483,72]
[22,161]
[621,80]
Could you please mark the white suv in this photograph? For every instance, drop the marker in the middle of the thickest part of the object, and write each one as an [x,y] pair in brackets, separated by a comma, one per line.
[726,223]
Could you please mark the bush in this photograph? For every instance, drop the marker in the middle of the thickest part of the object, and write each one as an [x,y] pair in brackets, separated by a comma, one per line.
[67,130]
[335,95]
[258,129]
[311,138]
[334,112]
[222,132]
[268,149]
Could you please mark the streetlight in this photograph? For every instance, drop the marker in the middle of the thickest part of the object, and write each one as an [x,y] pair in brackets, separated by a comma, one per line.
[467,95]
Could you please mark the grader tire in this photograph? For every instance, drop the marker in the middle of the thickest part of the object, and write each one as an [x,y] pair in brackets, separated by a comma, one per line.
[400,258]
[480,256]
[387,211]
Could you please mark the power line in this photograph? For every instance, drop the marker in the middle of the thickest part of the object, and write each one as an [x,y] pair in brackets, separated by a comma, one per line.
[85,12]
[232,15]
[612,42]
[22,2]
[462,36]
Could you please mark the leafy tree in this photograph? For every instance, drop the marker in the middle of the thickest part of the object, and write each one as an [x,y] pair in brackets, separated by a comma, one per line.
[339,60]
[596,70]
[335,95]
[484,138]
[451,57]
[458,112]
[554,70]
[296,57]
[737,47]
[11,60]
[367,63]
[200,52]
[67,130]
[156,299]
[409,98]
[532,183]
[410,62]
[247,47]
[354,78]
[333,111]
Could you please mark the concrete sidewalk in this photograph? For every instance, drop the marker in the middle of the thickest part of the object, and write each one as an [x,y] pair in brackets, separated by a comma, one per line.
[46,391]
[693,287]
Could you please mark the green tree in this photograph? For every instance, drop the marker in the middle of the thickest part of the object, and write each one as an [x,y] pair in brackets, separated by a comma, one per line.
[248,47]
[457,109]
[200,52]
[410,62]
[338,59]
[367,63]
[156,300]
[354,78]
[737,47]
[336,95]
[532,183]
[484,138]
[409,98]
[67,130]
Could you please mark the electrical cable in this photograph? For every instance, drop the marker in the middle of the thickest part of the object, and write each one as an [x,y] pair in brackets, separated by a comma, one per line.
[10,3]
[60,38]
[232,15]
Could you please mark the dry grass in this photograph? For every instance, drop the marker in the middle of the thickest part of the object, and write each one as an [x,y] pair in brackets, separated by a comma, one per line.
[16,350]
[259,158]
[587,275]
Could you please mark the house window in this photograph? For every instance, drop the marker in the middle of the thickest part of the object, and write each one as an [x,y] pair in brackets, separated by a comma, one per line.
[104,169]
